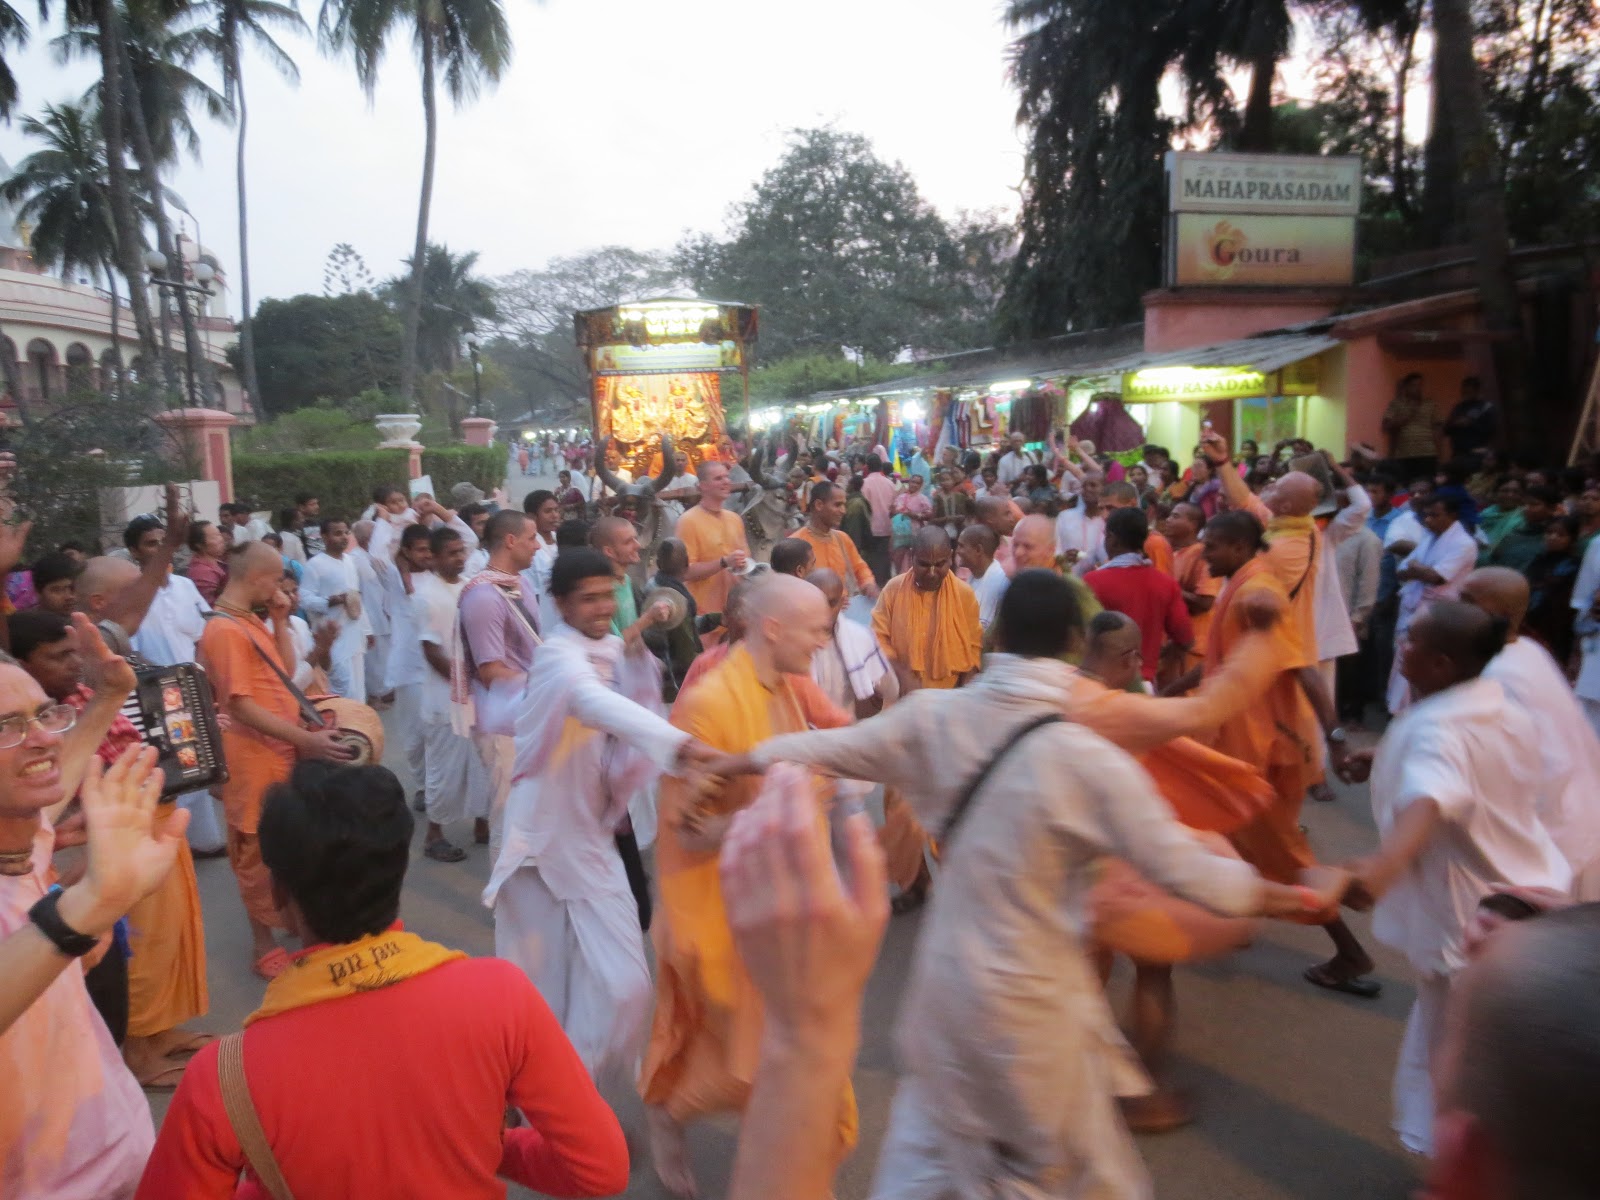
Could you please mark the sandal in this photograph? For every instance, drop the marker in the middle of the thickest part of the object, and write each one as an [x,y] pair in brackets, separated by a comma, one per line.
[1350,985]
[272,964]
[189,1044]
[442,851]
[164,1079]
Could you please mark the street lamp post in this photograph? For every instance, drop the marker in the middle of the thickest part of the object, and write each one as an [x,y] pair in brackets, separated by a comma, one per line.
[473,343]
[156,263]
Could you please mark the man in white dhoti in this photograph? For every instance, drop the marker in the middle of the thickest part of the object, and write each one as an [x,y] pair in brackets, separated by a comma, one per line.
[455,784]
[1013,1060]
[1457,800]
[408,670]
[372,574]
[1568,748]
[1585,598]
[1433,571]
[589,738]
[330,590]
[167,635]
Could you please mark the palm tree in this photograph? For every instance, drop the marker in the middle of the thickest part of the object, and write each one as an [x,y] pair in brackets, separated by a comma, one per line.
[470,43]
[454,302]
[13,32]
[234,22]
[64,192]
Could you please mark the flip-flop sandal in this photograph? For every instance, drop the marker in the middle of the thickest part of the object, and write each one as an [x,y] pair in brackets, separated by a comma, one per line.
[1359,985]
[272,964]
[443,851]
[189,1045]
[164,1080]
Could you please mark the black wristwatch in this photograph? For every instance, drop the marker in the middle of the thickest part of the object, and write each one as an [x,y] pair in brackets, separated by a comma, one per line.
[66,939]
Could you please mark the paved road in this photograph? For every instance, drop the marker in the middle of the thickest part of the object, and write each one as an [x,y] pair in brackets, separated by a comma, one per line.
[1292,1083]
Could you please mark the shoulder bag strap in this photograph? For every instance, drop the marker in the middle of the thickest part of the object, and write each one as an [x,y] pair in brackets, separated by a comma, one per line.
[242,1117]
[308,711]
[1311,564]
[970,793]
[521,614]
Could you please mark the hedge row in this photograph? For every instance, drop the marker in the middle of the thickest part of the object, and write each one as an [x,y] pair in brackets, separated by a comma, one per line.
[344,479]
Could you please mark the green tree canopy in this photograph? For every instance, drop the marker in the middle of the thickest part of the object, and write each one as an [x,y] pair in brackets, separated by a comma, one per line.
[454,301]
[840,250]
[313,347]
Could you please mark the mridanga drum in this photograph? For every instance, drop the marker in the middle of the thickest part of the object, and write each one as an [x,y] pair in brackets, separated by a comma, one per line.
[358,727]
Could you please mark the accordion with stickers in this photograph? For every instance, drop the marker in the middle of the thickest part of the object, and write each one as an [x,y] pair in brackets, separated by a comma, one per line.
[174,711]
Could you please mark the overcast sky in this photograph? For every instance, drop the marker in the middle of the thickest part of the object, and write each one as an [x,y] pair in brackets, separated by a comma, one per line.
[619,122]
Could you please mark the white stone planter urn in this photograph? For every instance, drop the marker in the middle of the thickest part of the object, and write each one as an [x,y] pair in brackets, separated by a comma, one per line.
[398,430]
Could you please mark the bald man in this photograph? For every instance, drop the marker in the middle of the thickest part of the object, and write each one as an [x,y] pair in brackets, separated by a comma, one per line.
[926,620]
[1569,750]
[1001,514]
[976,550]
[1033,547]
[1518,1065]
[1457,798]
[248,660]
[707,1029]
[715,539]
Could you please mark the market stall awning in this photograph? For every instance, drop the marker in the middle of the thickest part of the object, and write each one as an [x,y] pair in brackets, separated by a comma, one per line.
[1265,352]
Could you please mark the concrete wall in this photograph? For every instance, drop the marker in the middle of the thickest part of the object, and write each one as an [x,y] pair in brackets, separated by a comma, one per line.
[1199,317]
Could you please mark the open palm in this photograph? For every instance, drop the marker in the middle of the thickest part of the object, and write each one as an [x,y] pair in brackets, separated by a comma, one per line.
[131,849]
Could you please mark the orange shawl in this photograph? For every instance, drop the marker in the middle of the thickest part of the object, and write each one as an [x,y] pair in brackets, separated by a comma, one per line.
[935,635]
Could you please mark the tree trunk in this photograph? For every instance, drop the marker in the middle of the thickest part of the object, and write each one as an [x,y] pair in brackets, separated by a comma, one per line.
[1256,133]
[1403,200]
[247,344]
[144,153]
[1443,213]
[129,239]
[116,332]
[413,313]
[1482,202]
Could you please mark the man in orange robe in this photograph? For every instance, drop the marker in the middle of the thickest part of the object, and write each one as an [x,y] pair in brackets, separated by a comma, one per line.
[1282,735]
[706,1034]
[244,656]
[715,541]
[1182,529]
[833,550]
[926,623]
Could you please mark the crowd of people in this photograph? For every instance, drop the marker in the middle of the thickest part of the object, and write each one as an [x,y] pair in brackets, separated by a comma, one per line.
[1082,699]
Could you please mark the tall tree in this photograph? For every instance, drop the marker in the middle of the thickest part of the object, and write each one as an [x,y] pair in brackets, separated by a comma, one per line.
[840,247]
[64,191]
[233,24]
[13,35]
[314,348]
[454,302]
[469,42]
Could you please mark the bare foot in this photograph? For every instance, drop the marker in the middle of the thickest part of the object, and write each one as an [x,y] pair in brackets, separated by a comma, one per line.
[668,1154]
[1322,793]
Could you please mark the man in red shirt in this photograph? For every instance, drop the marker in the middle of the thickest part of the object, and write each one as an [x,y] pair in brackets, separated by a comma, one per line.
[1130,585]
[345,1107]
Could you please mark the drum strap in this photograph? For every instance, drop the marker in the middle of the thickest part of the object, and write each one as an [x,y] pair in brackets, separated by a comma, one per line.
[308,711]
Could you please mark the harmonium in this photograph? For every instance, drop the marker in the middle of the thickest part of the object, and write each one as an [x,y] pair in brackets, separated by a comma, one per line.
[174,711]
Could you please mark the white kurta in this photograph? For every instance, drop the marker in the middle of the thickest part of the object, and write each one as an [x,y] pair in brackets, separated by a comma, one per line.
[406,672]
[455,783]
[989,588]
[1465,749]
[1336,636]
[375,609]
[1568,752]
[1077,531]
[589,738]
[1452,554]
[326,577]
[1012,1055]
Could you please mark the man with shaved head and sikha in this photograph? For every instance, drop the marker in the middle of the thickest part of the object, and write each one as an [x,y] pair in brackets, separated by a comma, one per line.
[1568,748]
[1001,514]
[1457,799]
[707,1028]
[1033,547]
[248,656]
[926,620]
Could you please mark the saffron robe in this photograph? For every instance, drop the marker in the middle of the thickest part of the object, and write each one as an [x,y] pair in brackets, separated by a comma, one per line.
[935,635]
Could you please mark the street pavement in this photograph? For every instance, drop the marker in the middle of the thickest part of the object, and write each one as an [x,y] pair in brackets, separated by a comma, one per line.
[1290,1083]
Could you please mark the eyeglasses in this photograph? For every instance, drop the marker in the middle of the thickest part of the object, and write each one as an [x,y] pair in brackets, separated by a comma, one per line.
[58,718]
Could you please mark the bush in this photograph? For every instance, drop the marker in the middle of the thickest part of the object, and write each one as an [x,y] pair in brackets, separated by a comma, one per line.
[326,425]
[344,479]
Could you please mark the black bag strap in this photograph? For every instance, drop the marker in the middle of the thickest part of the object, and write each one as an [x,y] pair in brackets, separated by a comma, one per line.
[974,785]
[308,710]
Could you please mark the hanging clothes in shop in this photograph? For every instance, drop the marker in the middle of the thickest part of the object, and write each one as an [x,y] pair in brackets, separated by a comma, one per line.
[1031,413]
[1108,425]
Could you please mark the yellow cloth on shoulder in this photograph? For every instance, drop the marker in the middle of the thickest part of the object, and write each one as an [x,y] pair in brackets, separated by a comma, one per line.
[936,635]
[364,965]
[705,1038]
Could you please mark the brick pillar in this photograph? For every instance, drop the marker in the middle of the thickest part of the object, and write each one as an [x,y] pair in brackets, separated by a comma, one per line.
[203,432]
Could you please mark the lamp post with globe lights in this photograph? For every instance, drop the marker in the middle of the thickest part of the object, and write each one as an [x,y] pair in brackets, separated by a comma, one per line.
[203,274]
[474,343]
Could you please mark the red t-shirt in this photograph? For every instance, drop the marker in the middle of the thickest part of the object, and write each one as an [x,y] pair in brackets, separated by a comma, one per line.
[1153,599]
[401,1091]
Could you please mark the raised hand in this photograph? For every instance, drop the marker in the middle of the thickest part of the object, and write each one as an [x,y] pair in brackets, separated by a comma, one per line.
[807,941]
[131,848]
[104,673]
